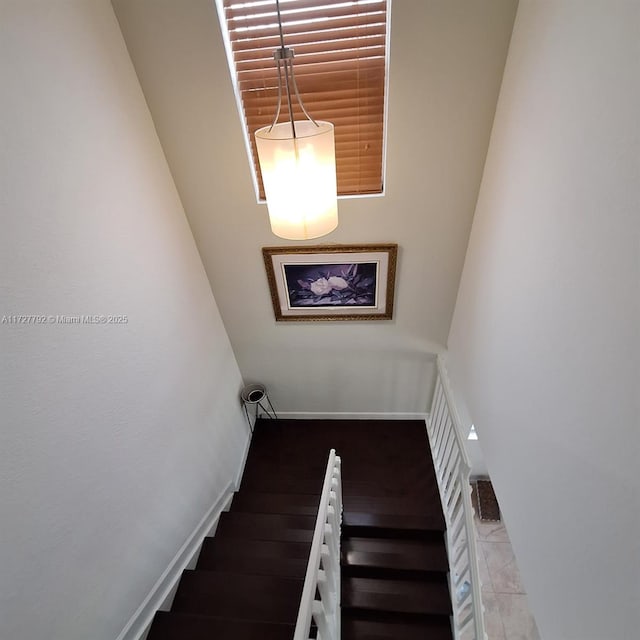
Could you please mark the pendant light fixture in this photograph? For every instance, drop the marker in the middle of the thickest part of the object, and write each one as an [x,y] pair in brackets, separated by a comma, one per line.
[298,163]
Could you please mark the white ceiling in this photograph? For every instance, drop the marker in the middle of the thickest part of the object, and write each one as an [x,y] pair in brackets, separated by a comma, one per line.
[446,66]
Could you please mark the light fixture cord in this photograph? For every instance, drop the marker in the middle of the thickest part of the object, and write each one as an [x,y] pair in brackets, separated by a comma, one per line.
[284,57]
[280,24]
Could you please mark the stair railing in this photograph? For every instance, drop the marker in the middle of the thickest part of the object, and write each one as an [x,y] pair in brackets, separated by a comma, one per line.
[323,570]
[453,470]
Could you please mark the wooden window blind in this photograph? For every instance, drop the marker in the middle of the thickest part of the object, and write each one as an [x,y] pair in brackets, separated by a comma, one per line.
[339,64]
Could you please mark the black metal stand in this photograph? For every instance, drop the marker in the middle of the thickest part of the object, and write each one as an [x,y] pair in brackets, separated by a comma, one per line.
[256,395]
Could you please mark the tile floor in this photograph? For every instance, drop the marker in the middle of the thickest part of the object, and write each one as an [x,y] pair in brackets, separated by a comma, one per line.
[507,615]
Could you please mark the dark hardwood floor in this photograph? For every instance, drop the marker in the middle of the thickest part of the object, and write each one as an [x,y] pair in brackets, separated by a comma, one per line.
[248,580]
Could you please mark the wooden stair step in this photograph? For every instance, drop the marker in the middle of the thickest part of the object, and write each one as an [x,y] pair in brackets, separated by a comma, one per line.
[285,503]
[382,488]
[239,596]
[248,580]
[383,597]
[258,557]
[403,471]
[266,465]
[381,525]
[398,505]
[181,626]
[268,459]
[254,548]
[381,556]
[265,526]
[282,482]
[438,628]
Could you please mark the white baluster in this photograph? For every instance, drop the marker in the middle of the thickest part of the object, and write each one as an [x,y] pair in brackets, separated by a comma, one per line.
[329,571]
[324,630]
[323,569]
[452,470]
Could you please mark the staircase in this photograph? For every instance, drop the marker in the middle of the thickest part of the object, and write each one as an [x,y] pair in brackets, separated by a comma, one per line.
[248,580]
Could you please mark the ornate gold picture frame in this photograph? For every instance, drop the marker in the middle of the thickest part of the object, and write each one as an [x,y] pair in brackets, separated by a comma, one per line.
[333,282]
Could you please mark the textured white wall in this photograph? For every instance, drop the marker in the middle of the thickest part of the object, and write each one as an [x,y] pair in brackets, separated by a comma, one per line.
[545,344]
[114,439]
[438,134]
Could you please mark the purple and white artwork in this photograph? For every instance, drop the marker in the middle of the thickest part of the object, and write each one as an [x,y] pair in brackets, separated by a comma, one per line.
[332,285]
[333,282]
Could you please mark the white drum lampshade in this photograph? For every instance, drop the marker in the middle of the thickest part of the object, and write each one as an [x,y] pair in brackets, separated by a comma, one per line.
[299,177]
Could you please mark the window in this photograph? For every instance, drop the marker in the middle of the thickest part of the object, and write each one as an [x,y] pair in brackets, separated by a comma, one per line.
[340,62]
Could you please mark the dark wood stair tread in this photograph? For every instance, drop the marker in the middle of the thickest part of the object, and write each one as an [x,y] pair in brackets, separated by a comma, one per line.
[188,626]
[283,482]
[254,548]
[425,597]
[239,596]
[381,554]
[285,503]
[263,526]
[438,628]
[268,461]
[259,557]
[367,488]
[364,524]
[285,568]
[398,504]
[249,578]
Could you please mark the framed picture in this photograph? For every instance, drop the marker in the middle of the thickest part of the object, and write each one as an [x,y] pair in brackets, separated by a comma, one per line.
[336,282]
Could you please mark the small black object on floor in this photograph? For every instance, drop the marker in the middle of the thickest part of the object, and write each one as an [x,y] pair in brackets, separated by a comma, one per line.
[248,580]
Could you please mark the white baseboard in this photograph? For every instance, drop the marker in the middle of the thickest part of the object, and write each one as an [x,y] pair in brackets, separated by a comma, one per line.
[243,462]
[162,592]
[350,415]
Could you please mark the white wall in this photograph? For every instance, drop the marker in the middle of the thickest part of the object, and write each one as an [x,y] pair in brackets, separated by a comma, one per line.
[438,134]
[114,439]
[545,344]
[476,459]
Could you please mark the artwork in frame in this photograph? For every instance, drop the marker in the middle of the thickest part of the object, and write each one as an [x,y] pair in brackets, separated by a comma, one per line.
[333,282]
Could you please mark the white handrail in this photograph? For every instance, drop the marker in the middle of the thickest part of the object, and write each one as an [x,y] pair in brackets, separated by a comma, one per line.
[323,569]
[452,466]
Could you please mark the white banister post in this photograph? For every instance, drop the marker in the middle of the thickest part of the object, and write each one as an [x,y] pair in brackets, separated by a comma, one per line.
[329,571]
[323,568]
[452,466]
[337,489]
[332,540]
[332,515]
[323,588]
[324,631]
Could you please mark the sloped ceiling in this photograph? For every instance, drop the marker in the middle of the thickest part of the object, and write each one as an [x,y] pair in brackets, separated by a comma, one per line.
[446,65]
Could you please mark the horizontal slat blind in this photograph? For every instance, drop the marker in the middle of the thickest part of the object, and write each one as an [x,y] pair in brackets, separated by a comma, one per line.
[339,66]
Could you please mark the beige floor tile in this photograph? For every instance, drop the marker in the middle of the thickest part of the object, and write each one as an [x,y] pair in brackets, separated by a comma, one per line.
[485,577]
[492,531]
[507,615]
[492,618]
[501,564]
[517,621]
